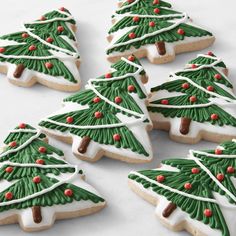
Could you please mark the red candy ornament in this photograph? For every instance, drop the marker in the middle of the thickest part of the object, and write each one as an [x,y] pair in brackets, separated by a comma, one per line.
[131,58]
[32,47]
[132,35]
[195,170]
[136,19]
[42,18]
[98,114]
[194,66]
[68,192]
[13,144]
[2,50]
[185,85]
[152,24]
[192,99]
[156,2]
[164,102]
[210,88]
[42,149]
[49,40]
[60,28]
[69,119]
[37,179]
[24,35]
[8,195]
[210,53]
[9,169]
[116,137]
[22,125]
[180,31]
[62,8]
[96,99]
[49,65]
[207,212]
[118,100]
[131,88]
[108,75]
[217,76]
[218,151]
[40,161]
[187,186]
[214,116]
[220,177]
[160,178]
[156,10]
[230,169]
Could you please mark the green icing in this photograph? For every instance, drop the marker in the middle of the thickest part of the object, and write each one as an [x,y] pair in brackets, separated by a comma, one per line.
[206,61]
[85,116]
[202,184]
[142,28]
[23,176]
[141,4]
[26,186]
[44,31]
[203,78]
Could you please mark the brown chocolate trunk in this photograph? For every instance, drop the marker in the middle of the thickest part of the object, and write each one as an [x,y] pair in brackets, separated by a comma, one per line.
[37,216]
[161,48]
[184,125]
[169,210]
[19,70]
[84,144]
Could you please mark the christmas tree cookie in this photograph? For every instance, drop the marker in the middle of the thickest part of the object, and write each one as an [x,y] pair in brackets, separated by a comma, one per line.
[152,29]
[108,118]
[37,186]
[197,194]
[196,103]
[44,51]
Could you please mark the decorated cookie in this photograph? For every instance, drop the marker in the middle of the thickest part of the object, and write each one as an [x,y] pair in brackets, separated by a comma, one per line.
[196,194]
[196,103]
[37,186]
[152,29]
[44,51]
[108,118]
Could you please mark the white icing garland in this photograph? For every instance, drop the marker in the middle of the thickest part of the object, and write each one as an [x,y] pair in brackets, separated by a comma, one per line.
[21,146]
[175,77]
[178,22]
[221,186]
[62,50]
[90,85]
[44,191]
[204,199]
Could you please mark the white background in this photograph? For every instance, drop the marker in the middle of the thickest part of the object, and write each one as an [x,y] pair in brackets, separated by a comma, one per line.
[126,214]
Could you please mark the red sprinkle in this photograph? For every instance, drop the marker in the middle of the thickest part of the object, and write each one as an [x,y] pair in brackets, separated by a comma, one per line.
[207,212]
[185,85]
[136,19]
[68,192]
[218,151]
[118,100]
[214,116]
[69,119]
[187,186]
[49,65]
[22,125]
[217,76]
[230,169]
[131,88]
[160,178]
[39,161]
[108,75]
[96,99]
[180,31]
[42,149]
[116,137]
[132,35]
[9,169]
[8,195]
[156,10]
[37,179]
[220,177]
[195,170]
[98,114]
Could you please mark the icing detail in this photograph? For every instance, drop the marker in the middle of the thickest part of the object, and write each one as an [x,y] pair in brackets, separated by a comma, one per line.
[98,101]
[205,188]
[18,169]
[132,22]
[194,82]
[61,53]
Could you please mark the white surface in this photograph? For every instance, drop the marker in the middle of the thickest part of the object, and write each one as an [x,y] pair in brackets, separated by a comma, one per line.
[126,213]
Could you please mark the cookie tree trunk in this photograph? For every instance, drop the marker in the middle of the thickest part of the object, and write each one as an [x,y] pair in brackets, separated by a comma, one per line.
[184,125]
[37,215]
